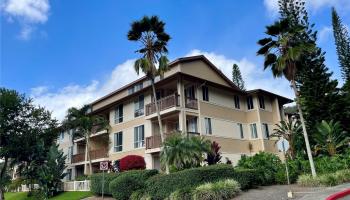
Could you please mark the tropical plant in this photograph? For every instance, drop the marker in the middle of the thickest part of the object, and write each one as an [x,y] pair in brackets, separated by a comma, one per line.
[282,51]
[237,77]
[184,152]
[83,125]
[220,190]
[214,155]
[330,137]
[149,31]
[131,162]
[289,130]
[52,172]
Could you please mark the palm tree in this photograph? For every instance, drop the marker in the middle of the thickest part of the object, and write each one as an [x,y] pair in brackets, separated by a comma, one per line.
[184,152]
[149,31]
[83,125]
[290,131]
[330,137]
[282,51]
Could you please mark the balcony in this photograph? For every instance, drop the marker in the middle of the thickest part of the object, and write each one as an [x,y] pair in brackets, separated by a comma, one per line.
[94,154]
[191,103]
[163,104]
[155,141]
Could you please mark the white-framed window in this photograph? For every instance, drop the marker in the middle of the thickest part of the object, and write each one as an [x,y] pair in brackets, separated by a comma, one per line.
[253,131]
[139,136]
[207,122]
[118,141]
[266,131]
[135,88]
[192,125]
[237,103]
[118,114]
[70,153]
[261,102]
[205,92]
[250,103]
[139,106]
[240,128]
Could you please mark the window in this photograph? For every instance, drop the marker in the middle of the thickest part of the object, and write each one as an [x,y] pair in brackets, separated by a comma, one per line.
[69,174]
[253,131]
[205,92]
[250,103]
[207,122]
[261,102]
[118,114]
[192,125]
[139,106]
[135,88]
[240,127]
[118,141]
[139,136]
[70,153]
[62,136]
[190,93]
[236,98]
[266,131]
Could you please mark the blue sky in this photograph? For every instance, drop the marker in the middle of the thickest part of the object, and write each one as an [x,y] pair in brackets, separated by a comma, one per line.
[67,53]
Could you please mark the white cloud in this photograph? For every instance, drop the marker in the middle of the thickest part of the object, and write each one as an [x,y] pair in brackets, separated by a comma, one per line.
[314,5]
[325,33]
[58,101]
[253,75]
[28,13]
[74,95]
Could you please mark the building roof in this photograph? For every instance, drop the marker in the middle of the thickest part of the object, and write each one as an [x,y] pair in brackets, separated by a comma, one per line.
[190,59]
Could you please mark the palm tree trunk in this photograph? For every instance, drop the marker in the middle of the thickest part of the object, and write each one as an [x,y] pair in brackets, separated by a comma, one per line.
[308,149]
[158,112]
[86,156]
[88,153]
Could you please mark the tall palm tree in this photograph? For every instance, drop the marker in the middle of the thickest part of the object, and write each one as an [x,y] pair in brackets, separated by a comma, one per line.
[289,130]
[83,125]
[149,31]
[282,51]
[330,137]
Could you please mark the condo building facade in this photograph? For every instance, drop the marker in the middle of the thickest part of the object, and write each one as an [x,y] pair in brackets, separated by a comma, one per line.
[195,98]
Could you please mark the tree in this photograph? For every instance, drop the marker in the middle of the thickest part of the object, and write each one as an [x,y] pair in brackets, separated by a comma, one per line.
[214,155]
[282,51]
[237,77]
[290,130]
[331,137]
[83,125]
[51,172]
[183,152]
[149,31]
[23,126]
[320,99]
[342,42]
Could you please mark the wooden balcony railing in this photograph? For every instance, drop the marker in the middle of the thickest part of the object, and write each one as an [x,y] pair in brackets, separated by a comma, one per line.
[155,141]
[191,103]
[94,154]
[163,103]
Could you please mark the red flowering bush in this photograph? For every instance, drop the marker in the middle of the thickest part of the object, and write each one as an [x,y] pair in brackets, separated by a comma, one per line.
[132,162]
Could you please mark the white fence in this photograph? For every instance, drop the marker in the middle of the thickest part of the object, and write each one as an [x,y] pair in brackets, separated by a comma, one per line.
[76,186]
[25,188]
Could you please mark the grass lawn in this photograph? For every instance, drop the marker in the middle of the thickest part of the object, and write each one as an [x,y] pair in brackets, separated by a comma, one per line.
[61,196]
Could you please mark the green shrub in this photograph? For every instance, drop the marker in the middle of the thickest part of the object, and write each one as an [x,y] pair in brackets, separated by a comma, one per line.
[221,190]
[96,183]
[182,194]
[82,178]
[15,184]
[124,185]
[267,163]
[329,179]
[162,185]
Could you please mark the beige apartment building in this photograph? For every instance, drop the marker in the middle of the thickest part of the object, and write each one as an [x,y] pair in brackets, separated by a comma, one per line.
[194,97]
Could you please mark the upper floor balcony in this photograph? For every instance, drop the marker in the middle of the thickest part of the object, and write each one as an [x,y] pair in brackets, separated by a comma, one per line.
[171,101]
[94,154]
[155,141]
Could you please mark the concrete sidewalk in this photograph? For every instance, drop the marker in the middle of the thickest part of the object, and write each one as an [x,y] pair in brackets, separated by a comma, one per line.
[327,192]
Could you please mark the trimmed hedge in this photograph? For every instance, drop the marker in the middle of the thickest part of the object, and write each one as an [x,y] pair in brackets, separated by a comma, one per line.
[161,186]
[127,182]
[220,190]
[132,162]
[96,183]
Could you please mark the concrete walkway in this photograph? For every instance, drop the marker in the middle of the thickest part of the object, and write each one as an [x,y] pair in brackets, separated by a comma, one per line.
[279,192]
[327,192]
